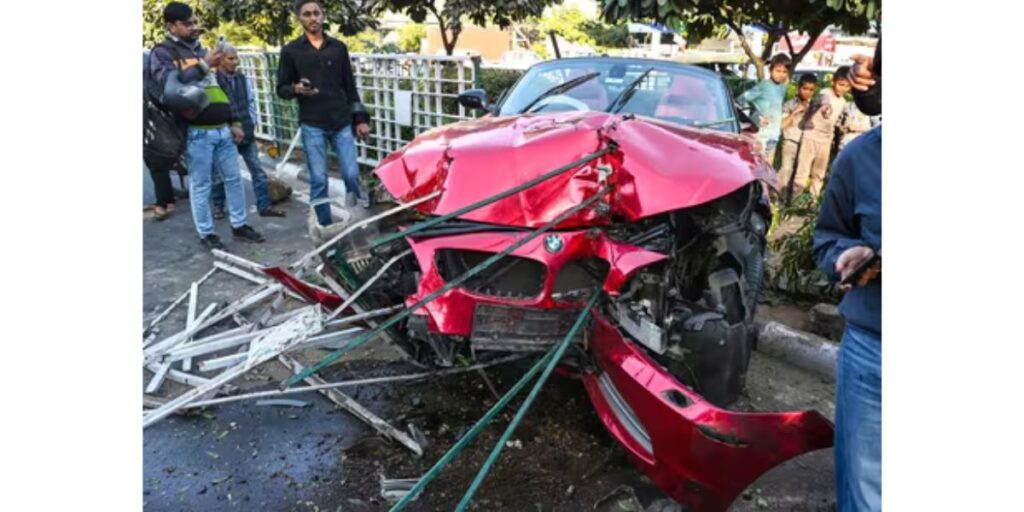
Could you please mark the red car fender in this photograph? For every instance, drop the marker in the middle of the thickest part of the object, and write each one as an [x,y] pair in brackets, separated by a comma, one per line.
[701,455]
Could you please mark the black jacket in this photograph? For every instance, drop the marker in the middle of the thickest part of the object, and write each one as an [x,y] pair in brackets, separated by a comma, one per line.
[329,70]
[173,53]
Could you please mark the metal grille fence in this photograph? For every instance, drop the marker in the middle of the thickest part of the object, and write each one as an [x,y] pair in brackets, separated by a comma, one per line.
[405,95]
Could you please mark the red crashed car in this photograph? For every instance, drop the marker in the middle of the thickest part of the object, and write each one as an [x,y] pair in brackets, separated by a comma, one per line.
[676,241]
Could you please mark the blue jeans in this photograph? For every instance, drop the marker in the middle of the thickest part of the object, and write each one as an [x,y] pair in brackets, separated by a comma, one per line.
[314,144]
[251,156]
[209,148]
[858,451]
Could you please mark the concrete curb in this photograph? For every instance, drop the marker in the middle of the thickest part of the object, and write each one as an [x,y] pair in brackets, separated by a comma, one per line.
[799,348]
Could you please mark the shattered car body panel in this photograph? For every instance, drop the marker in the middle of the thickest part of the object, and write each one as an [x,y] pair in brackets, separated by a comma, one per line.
[701,455]
[476,159]
[677,246]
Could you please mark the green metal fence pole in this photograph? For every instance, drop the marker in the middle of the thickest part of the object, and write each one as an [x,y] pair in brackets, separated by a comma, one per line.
[498,446]
[333,356]
[484,202]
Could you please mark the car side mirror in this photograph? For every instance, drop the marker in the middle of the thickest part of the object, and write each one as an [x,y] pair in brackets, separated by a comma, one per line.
[475,99]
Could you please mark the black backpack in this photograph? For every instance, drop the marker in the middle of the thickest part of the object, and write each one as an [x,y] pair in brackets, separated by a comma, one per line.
[164,135]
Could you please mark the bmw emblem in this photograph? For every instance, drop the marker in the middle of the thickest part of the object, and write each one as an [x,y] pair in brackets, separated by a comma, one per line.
[553,243]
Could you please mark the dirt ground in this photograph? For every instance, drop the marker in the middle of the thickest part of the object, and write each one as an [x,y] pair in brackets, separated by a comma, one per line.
[243,456]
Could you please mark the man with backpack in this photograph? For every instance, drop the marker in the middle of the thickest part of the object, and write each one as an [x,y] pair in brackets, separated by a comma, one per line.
[182,69]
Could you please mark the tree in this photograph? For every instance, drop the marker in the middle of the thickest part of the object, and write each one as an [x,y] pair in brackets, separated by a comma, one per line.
[272,20]
[777,17]
[410,36]
[153,30]
[450,13]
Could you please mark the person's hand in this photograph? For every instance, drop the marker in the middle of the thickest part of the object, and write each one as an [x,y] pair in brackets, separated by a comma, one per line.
[826,111]
[851,259]
[860,75]
[800,109]
[302,90]
[764,121]
[237,134]
[213,58]
[362,131]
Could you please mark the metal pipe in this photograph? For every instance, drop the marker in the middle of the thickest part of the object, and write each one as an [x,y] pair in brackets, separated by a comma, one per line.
[496,451]
[350,383]
[484,202]
[163,314]
[334,356]
[326,245]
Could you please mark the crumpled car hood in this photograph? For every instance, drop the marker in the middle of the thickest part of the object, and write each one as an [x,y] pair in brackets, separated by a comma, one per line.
[658,167]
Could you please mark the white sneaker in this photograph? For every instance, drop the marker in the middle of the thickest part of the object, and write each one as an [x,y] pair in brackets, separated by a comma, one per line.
[364,202]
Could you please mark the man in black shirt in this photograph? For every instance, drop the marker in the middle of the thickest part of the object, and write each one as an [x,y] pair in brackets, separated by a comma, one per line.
[315,69]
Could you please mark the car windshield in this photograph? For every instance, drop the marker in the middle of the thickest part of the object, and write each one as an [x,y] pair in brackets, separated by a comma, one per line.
[674,93]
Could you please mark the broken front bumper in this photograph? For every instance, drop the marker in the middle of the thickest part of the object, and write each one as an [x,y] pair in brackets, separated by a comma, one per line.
[699,454]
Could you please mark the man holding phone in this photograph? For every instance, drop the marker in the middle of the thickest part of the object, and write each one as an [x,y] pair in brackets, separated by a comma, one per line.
[848,248]
[316,70]
[211,126]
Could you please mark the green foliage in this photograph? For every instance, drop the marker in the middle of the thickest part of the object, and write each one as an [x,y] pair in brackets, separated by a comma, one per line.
[410,36]
[273,20]
[738,84]
[235,33]
[797,266]
[152,22]
[572,25]
[541,49]
[367,41]
[495,80]
[450,13]
[703,18]
[607,35]
[568,23]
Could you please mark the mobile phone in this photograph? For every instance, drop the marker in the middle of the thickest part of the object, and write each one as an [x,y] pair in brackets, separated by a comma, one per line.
[221,41]
[863,267]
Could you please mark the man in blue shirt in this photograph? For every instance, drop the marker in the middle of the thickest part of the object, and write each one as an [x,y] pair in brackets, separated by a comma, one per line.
[848,235]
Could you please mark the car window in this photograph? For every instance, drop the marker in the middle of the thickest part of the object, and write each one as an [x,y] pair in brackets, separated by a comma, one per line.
[672,93]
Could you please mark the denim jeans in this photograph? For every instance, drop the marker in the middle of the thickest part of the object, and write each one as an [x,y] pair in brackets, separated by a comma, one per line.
[209,148]
[858,450]
[251,156]
[314,144]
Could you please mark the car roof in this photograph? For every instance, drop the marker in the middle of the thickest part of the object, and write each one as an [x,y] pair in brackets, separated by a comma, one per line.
[634,60]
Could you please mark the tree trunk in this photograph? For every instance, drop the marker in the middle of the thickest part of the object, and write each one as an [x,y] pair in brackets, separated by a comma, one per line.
[814,34]
[448,41]
[754,58]
[454,38]
[773,37]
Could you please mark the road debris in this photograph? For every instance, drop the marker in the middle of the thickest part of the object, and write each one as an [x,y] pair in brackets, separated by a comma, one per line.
[283,402]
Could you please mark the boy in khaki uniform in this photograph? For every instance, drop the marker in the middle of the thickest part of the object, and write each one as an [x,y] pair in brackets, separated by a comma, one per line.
[792,111]
[819,129]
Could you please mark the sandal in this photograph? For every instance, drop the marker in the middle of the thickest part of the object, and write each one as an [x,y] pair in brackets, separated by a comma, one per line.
[159,213]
